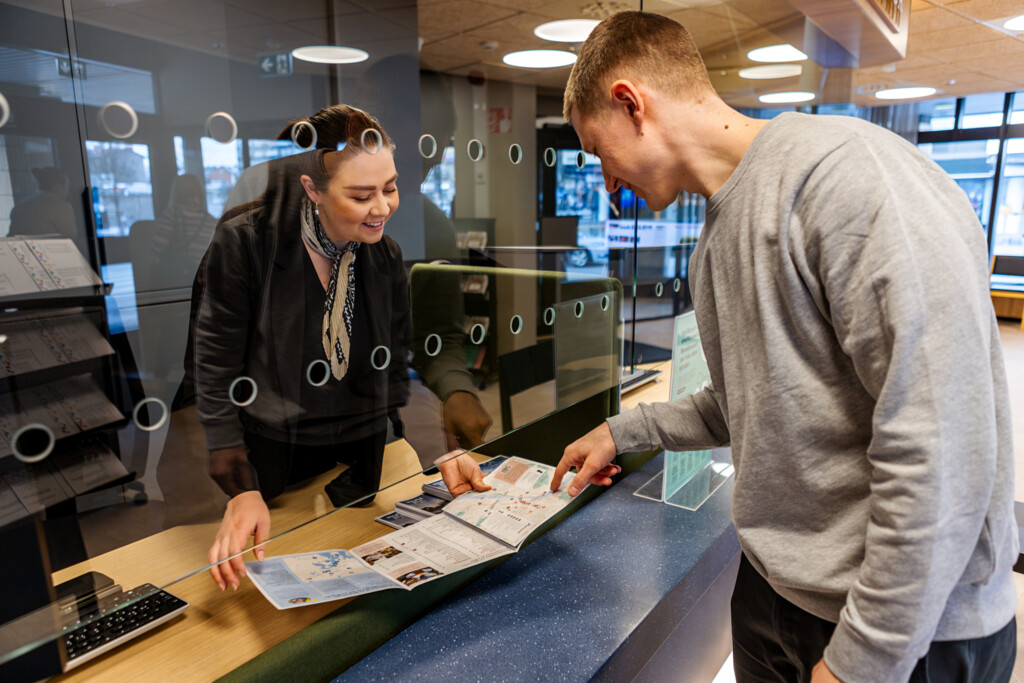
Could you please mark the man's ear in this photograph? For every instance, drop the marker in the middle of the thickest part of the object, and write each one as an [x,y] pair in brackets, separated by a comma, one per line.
[310,188]
[626,95]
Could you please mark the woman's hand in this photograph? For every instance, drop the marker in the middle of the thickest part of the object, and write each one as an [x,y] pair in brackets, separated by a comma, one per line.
[246,515]
[465,420]
[461,473]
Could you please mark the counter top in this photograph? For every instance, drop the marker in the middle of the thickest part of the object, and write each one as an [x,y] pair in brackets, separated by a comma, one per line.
[596,595]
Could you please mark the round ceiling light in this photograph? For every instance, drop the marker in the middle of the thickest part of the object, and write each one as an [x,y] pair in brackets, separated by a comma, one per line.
[904,93]
[1014,23]
[786,97]
[539,59]
[756,73]
[330,54]
[776,53]
[566,30]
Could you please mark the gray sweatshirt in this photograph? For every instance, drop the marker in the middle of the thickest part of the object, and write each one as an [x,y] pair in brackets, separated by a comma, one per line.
[841,292]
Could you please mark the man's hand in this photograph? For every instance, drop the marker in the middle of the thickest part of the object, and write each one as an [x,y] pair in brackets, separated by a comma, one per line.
[592,456]
[465,420]
[821,674]
[246,515]
[461,473]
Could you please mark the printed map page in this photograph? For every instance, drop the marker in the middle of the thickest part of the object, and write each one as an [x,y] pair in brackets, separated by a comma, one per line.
[519,502]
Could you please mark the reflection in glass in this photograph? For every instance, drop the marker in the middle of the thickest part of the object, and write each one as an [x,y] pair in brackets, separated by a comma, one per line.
[550,157]
[676,284]
[578,309]
[153,425]
[515,325]
[25,444]
[515,154]
[475,150]
[659,289]
[477,333]
[605,301]
[221,127]
[549,316]
[120,176]
[119,119]
[581,159]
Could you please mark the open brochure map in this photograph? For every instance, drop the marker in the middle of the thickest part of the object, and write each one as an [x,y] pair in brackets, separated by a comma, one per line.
[475,528]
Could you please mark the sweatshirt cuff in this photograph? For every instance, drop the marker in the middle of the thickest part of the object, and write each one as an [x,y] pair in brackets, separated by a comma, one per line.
[224,434]
[455,381]
[629,431]
[853,660]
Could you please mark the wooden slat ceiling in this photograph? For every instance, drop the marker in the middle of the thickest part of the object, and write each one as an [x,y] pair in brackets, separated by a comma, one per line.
[956,46]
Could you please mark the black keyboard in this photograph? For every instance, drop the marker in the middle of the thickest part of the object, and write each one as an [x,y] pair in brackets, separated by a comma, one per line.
[120,622]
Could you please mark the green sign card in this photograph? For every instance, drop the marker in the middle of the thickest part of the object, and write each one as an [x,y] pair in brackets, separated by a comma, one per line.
[689,376]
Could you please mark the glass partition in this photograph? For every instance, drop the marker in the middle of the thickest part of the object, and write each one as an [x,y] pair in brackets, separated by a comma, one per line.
[293,254]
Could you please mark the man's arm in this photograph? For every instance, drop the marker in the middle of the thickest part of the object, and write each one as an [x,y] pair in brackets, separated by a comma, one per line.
[694,422]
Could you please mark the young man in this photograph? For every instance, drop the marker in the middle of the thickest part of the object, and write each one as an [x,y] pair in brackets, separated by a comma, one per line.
[841,291]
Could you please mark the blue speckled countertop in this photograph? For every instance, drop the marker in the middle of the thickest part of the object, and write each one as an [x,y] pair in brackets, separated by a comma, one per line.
[563,606]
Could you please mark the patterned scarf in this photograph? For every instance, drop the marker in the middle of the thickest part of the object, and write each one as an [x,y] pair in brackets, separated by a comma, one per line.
[341,290]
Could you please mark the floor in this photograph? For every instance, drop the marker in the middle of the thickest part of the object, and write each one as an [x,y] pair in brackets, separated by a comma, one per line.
[1013,352]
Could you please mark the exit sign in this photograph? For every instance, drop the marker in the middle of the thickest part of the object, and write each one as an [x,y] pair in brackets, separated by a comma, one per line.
[275,65]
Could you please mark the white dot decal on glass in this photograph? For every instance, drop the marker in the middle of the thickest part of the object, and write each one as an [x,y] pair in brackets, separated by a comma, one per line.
[325,374]
[581,160]
[550,157]
[515,325]
[676,284]
[578,309]
[156,424]
[659,289]
[5,110]
[475,150]
[605,302]
[221,126]
[474,336]
[119,119]
[252,396]
[379,143]
[515,154]
[431,144]
[432,349]
[549,316]
[387,358]
[32,430]
[297,130]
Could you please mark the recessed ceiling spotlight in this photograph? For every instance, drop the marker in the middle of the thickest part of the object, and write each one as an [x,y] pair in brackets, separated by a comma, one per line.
[566,30]
[904,93]
[776,53]
[330,54]
[1014,23]
[786,97]
[756,73]
[539,59]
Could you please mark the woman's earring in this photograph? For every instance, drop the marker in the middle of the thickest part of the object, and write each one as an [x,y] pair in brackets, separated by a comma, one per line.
[316,209]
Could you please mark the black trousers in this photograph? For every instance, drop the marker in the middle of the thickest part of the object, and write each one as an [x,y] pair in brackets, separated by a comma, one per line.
[776,641]
[279,465]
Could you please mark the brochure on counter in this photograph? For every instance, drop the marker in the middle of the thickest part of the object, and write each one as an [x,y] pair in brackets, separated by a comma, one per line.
[474,528]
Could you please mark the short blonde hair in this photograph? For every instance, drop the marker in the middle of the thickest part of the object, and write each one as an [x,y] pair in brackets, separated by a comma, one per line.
[649,48]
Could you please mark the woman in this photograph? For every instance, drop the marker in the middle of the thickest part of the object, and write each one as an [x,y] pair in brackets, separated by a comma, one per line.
[303,328]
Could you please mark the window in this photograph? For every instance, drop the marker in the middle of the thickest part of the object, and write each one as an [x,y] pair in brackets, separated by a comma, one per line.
[1017,108]
[936,115]
[122,188]
[1008,236]
[439,185]
[222,167]
[982,111]
[261,151]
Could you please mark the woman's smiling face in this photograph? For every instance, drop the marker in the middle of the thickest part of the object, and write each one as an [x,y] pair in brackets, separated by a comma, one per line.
[360,196]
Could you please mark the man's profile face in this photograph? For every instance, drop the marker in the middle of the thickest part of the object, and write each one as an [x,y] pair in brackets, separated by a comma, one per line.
[627,160]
